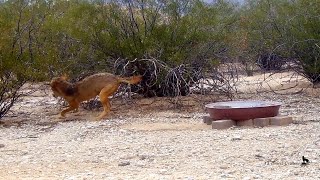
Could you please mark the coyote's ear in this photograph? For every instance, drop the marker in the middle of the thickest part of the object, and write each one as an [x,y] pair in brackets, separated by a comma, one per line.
[64,77]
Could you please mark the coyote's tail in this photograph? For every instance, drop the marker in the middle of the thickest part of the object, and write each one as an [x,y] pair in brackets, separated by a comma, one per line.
[131,80]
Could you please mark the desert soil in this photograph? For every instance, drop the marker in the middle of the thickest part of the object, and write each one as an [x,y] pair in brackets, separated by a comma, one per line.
[152,139]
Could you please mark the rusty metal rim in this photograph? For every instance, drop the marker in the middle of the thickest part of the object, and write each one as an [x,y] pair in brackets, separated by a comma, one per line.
[243,104]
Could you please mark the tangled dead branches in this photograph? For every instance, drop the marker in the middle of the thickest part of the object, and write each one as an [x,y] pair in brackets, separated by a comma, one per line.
[9,91]
[159,79]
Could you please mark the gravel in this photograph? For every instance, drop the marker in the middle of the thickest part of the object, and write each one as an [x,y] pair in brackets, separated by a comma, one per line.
[157,145]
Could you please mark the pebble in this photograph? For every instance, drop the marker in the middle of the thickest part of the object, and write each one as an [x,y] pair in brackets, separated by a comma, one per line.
[236,138]
[124,163]
[226,175]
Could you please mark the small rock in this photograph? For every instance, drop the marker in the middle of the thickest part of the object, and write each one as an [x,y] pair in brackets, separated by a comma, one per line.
[2,145]
[143,157]
[124,163]
[226,175]
[224,167]
[259,156]
[163,171]
[236,138]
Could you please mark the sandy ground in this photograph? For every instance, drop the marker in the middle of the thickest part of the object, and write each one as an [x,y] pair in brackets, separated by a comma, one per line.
[150,139]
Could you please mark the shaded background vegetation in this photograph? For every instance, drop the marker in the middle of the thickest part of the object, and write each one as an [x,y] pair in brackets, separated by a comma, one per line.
[174,44]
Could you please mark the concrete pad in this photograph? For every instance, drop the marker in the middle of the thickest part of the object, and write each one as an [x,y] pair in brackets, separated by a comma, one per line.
[281,120]
[248,123]
[223,124]
[207,119]
[261,122]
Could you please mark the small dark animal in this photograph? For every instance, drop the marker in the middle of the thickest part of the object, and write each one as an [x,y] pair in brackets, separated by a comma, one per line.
[305,161]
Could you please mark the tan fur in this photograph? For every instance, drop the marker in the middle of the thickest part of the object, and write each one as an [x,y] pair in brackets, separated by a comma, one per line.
[102,84]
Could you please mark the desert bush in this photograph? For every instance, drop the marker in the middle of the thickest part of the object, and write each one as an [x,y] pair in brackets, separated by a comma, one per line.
[185,40]
[182,38]
[182,41]
[159,79]
[269,62]
[307,55]
[10,85]
[274,32]
[163,80]
[304,33]
[19,60]
[262,25]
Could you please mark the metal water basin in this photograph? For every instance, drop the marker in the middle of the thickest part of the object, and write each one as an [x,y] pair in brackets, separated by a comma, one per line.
[243,110]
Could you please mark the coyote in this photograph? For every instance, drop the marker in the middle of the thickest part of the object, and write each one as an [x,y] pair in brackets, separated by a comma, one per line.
[102,84]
